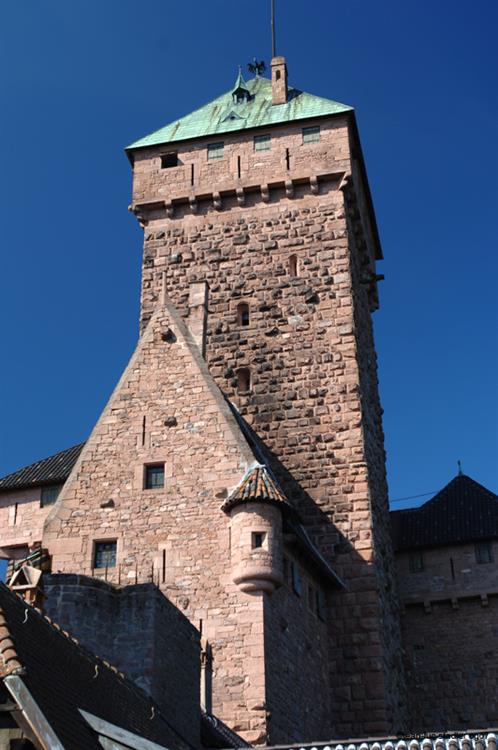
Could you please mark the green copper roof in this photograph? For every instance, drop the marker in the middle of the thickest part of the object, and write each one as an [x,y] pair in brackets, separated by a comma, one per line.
[223,115]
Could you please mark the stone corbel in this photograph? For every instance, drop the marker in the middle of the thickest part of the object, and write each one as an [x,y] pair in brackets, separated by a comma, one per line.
[168,206]
[192,201]
[314,184]
[289,189]
[241,198]
[265,193]
[139,216]
[217,204]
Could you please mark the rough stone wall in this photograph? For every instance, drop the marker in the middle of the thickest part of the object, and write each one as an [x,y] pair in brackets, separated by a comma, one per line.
[452,665]
[314,394]
[140,632]
[449,572]
[21,518]
[177,534]
[297,663]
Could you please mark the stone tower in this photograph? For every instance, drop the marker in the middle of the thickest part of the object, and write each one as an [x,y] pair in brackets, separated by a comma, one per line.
[240,461]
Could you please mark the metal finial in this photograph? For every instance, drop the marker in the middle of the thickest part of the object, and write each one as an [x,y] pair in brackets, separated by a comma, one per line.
[273,33]
[460,472]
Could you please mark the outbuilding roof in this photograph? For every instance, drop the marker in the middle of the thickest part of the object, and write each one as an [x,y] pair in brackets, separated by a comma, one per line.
[52,470]
[226,115]
[463,511]
[74,691]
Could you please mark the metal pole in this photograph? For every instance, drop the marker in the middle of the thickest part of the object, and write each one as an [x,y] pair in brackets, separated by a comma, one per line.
[273,35]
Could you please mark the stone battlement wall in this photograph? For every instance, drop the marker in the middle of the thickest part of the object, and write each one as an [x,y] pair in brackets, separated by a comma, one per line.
[140,632]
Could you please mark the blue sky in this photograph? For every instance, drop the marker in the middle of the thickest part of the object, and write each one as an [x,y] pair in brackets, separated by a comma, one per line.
[80,80]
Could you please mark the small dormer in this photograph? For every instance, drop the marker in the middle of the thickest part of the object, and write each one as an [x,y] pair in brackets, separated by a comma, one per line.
[240,92]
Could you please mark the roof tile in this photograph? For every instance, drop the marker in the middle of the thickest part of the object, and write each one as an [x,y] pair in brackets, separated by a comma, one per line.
[463,511]
[52,470]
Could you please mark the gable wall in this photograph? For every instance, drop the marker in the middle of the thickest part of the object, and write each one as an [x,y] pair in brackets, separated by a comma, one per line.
[177,536]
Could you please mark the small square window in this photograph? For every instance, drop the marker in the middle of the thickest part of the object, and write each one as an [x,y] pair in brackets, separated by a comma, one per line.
[105,554]
[296,578]
[484,552]
[216,150]
[154,477]
[262,142]
[416,562]
[258,537]
[311,135]
[169,160]
[49,495]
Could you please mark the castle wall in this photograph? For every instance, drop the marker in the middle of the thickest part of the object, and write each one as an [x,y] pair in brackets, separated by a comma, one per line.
[451,665]
[297,661]
[448,572]
[21,518]
[141,633]
[309,359]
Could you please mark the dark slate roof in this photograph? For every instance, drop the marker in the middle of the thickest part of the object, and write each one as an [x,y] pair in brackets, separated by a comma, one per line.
[52,470]
[63,677]
[463,511]
[257,486]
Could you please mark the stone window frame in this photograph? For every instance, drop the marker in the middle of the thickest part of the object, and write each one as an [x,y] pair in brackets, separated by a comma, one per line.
[105,540]
[259,540]
[243,308]
[484,552]
[416,562]
[311,134]
[168,156]
[147,468]
[216,150]
[296,578]
[241,373]
[262,142]
[44,502]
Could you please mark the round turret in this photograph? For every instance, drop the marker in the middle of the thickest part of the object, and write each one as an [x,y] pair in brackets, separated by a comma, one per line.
[256,547]
[255,509]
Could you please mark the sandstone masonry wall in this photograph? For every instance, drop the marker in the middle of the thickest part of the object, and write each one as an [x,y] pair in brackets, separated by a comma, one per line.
[449,572]
[452,665]
[140,632]
[21,518]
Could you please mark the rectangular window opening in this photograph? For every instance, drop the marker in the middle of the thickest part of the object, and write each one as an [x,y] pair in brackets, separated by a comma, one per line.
[321,604]
[216,150]
[258,537]
[416,562]
[484,553]
[312,134]
[169,160]
[154,477]
[262,142]
[49,495]
[296,578]
[105,554]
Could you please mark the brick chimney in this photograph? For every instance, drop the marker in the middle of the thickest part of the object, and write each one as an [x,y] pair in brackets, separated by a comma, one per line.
[278,80]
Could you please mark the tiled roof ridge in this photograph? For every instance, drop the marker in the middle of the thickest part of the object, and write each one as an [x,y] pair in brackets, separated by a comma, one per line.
[257,485]
[470,739]
[9,659]
[441,494]
[8,480]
